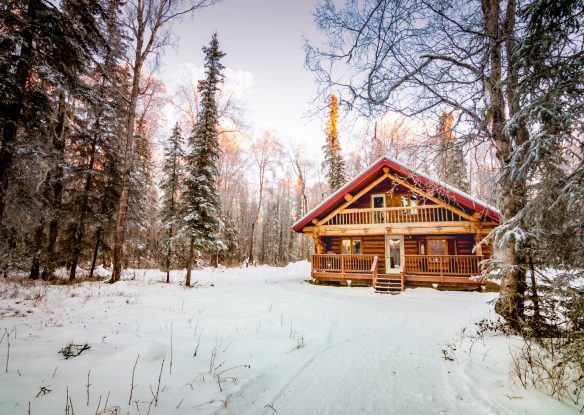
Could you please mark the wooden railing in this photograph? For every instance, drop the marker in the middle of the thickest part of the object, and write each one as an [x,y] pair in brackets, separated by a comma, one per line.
[458,265]
[374,271]
[409,214]
[365,266]
[344,264]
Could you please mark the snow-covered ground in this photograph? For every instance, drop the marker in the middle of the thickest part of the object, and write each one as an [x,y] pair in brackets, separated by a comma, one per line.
[266,342]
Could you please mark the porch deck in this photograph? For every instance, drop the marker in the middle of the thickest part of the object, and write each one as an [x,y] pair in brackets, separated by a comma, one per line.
[414,269]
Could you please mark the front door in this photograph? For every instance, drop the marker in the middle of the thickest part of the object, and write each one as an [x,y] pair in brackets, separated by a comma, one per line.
[394,250]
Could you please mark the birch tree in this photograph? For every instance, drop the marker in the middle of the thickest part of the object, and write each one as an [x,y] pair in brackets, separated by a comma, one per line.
[263,152]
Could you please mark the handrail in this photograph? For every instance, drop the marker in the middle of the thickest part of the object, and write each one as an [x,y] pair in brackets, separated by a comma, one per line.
[402,272]
[393,208]
[463,265]
[343,263]
[374,271]
[405,214]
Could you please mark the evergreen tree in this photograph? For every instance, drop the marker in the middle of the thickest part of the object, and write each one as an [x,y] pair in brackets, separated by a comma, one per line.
[95,143]
[201,208]
[171,187]
[142,199]
[43,63]
[333,164]
[451,166]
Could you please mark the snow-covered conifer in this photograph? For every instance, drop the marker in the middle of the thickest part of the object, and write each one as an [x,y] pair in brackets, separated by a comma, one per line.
[201,203]
[171,187]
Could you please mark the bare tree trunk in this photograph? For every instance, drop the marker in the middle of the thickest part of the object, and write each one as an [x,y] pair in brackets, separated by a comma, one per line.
[35,269]
[252,243]
[120,229]
[168,255]
[510,302]
[95,251]
[190,262]
[79,230]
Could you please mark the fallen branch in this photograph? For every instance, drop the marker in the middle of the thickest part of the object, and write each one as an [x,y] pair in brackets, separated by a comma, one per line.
[74,350]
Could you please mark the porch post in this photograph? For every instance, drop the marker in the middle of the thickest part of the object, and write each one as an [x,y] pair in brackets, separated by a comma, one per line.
[318,245]
[478,248]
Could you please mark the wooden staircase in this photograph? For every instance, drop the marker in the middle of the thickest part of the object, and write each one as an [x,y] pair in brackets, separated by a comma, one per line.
[387,284]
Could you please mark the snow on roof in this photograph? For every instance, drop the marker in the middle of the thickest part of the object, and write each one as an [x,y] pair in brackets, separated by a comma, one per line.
[446,190]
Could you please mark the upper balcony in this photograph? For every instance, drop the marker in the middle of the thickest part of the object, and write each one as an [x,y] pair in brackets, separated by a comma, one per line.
[395,215]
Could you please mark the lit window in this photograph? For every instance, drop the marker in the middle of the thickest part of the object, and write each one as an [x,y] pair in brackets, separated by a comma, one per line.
[437,247]
[351,246]
[346,247]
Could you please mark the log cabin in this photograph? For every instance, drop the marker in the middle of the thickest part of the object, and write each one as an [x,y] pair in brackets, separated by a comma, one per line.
[392,227]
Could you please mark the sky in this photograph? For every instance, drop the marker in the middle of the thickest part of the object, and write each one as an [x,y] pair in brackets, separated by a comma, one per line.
[263,42]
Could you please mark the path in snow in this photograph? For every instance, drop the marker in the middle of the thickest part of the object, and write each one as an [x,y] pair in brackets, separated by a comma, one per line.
[311,349]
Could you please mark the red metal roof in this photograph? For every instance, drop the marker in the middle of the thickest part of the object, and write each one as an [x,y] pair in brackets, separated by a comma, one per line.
[446,191]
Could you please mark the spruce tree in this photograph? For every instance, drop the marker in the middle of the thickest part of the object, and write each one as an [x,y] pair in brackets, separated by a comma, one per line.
[142,196]
[451,166]
[201,208]
[333,164]
[95,143]
[171,187]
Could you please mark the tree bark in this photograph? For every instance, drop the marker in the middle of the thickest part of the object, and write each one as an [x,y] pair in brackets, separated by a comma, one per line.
[510,302]
[95,251]
[190,262]
[169,253]
[120,229]
[79,229]
[35,269]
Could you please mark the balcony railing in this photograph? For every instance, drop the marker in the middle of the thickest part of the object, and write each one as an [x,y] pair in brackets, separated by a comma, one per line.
[409,214]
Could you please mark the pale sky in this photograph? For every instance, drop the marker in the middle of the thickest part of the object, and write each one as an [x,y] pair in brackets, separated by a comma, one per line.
[263,42]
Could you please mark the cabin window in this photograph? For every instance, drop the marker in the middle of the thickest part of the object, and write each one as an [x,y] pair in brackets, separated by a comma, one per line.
[378,201]
[409,201]
[351,247]
[437,247]
[414,202]
[356,247]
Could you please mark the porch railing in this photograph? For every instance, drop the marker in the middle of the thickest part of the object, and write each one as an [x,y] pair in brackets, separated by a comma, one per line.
[457,265]
[409,214]
[344,264]
[422,265]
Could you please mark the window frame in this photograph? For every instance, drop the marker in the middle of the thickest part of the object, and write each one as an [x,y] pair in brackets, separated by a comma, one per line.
[373,196]
[352,245]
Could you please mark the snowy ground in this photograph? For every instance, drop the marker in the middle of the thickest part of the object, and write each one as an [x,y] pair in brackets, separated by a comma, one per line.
[269,343]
